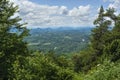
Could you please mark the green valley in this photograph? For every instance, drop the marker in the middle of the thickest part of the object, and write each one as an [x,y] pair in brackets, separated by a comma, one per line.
[59,40]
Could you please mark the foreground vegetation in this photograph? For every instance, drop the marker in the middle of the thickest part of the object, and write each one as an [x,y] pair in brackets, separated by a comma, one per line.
[101,61]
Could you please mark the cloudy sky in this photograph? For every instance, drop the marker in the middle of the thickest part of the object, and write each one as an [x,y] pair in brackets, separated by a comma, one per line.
[62,13]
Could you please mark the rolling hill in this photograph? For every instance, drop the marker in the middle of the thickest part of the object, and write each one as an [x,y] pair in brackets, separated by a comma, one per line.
[59,40]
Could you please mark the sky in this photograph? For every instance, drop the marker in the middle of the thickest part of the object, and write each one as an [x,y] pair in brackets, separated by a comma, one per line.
[62,13]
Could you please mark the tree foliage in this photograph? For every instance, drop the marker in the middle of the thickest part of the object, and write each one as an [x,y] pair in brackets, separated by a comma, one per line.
[40,67]
[99,33]
[12,33]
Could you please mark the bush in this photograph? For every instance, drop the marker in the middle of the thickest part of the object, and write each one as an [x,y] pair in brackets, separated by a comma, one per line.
[40,67]
[84,61]
[106,71]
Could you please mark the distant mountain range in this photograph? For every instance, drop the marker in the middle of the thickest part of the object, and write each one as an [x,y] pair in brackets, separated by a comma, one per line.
[82,29]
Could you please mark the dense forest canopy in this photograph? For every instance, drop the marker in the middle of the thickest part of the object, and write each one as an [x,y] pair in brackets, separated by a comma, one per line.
[100,61]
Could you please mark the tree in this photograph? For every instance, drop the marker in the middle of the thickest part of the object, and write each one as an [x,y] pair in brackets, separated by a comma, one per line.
[113,50]
[99,33]
[12,33]
[84,60]
[113,41]
[115,32]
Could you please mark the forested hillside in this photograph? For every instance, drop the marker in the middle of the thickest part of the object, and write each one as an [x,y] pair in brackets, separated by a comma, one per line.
[99,61]
[59,40]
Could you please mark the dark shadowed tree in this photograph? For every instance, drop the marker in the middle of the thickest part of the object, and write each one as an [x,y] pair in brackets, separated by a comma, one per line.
[12,33]
[115,32]
[99,33]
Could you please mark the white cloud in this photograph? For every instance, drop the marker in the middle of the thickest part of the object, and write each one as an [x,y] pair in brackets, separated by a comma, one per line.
[115,4]
[38,15]
[80,11]
[63,10]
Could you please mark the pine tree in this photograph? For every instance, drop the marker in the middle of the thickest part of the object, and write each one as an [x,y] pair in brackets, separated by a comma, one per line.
[100,32]
[12,33]
[113,41]
[115,32]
